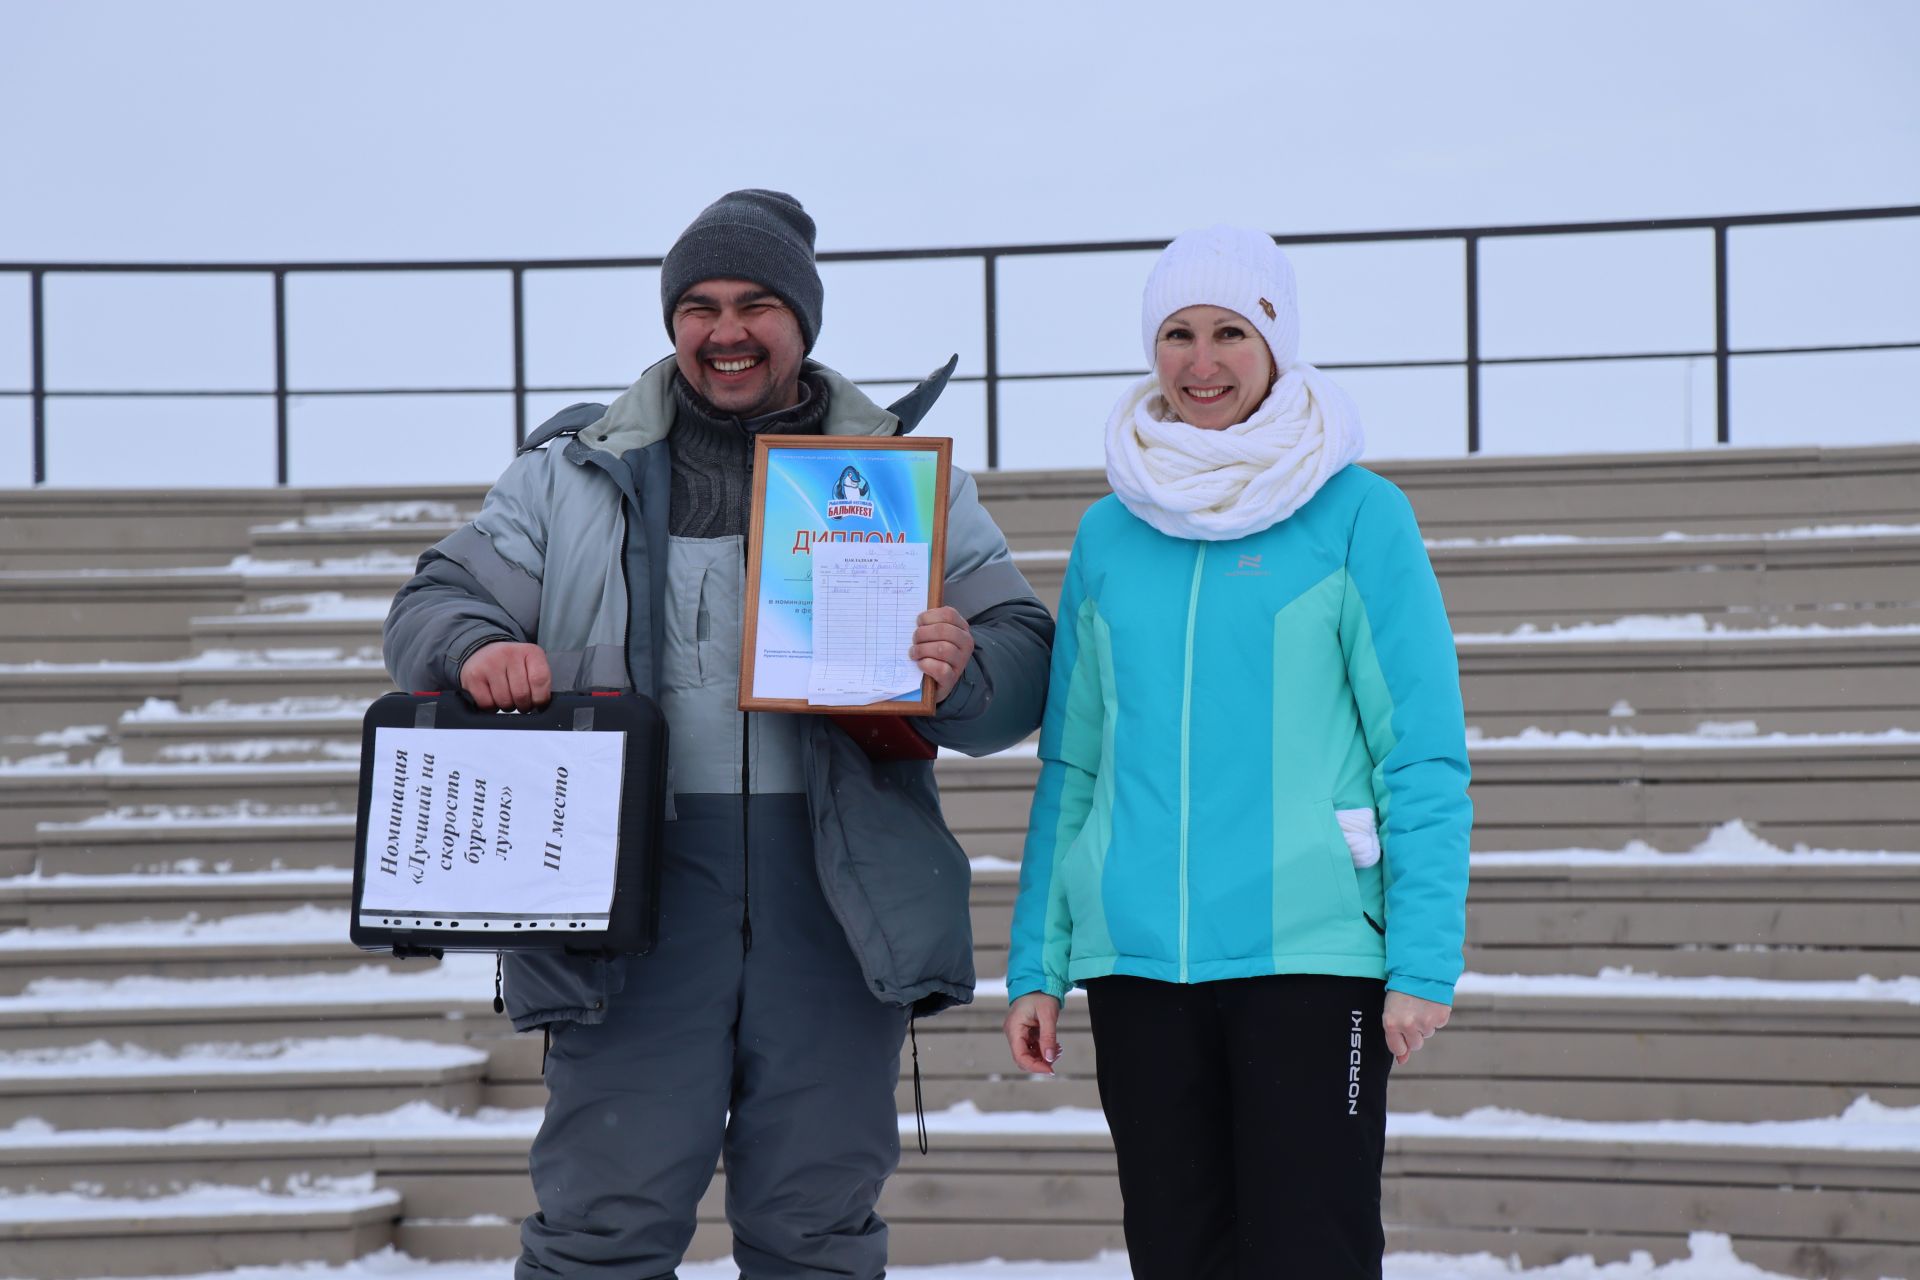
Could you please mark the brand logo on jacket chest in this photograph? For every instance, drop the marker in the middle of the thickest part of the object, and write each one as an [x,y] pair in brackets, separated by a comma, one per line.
[1248,567]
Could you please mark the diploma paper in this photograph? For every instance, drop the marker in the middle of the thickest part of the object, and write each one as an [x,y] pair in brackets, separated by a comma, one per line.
[491,828]
[867,600]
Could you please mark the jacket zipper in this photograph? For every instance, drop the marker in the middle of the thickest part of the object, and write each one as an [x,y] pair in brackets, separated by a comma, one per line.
[626,585]
[746,844]
[1186,729]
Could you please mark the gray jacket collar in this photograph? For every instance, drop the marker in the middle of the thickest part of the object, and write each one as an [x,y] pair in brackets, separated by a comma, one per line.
[643,413]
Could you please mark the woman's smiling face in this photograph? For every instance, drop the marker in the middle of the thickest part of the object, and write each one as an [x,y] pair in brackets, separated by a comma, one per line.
[1214,366]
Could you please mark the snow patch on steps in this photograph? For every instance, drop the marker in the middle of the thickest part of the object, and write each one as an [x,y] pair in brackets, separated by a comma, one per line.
[1709,1257]
[319,1195]
[357,1056]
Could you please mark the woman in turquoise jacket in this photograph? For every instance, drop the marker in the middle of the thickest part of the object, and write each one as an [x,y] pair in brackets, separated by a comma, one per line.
[1249,839]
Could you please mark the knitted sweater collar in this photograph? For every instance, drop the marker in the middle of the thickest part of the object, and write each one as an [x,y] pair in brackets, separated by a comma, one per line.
[704,430]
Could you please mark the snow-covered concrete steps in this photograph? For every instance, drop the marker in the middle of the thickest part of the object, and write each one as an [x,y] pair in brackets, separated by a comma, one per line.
[31,797]
[1617,1048]
[449,1000]
[1646,675]
[129,614]
[68,1234]
[1807,916]
[388,528]
[1592,495]
[1669,675]
[194,838]
[1734,907]
[1791,577]
[302,939]
[147,613]
[85,901]
[1834,1197]
[109,1085]
[1868,573]
[281,730]
[44,696]
[1655,730]
[1544,791]
[56,528]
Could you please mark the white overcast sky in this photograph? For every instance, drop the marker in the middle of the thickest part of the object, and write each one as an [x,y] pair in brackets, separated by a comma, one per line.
[167,129]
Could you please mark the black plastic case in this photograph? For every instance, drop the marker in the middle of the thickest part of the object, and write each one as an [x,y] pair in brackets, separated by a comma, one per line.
[635,911]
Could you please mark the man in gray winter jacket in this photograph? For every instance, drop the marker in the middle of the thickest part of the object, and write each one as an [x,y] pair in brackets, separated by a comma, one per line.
[812,898]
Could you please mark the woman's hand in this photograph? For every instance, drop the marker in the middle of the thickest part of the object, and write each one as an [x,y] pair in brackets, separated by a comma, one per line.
[1033,1032]
[1409,1022]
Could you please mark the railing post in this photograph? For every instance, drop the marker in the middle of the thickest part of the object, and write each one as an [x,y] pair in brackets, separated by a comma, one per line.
[1473,343]
[280,378]
[37,292]
[1722,363]
[993,359]
[519,359]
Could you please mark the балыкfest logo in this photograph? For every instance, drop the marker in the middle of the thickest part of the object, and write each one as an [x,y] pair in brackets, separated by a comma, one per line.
[851,496]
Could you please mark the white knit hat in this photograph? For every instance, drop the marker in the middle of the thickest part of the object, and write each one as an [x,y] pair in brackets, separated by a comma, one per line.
[1232,267]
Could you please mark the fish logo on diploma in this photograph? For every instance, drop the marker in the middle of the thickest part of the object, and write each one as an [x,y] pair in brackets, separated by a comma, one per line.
[851,496]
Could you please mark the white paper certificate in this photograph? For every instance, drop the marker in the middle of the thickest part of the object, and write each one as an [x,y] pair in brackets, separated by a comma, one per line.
[492,829]
[867,600]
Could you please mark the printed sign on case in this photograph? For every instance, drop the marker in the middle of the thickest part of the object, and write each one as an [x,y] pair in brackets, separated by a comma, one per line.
[515,830]
[847,543]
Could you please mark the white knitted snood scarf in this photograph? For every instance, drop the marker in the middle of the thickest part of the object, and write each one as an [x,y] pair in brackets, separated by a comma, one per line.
[1217,485]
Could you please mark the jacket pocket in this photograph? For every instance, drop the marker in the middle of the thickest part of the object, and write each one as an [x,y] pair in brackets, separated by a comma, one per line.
[1358,827]
[545,987]
[705,659]
[892,873]
[1341,856]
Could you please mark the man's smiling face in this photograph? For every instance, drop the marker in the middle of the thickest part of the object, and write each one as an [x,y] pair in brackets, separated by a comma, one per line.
[740,346]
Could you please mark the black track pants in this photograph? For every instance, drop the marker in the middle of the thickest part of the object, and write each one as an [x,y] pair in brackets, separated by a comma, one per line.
[1248,1134]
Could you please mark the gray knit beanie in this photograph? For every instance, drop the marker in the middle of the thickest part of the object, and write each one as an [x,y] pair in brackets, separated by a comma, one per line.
[762,236]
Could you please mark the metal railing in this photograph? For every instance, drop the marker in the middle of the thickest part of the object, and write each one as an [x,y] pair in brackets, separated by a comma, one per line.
[989,257]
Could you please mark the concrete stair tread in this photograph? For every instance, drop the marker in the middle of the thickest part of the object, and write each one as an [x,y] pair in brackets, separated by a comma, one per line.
[99,1066]
[197,1231]
[1483,1000]
[1670,683]
[295,886]
[135,828]
[1714,644]
[137,526]
[1617,1179]
[1603,1055]
[447,998]
[1843,544]
[1770,780]
[206,1209]
[315,542]
[98,1084]
[305,937]
[416,1136]
[1611,874]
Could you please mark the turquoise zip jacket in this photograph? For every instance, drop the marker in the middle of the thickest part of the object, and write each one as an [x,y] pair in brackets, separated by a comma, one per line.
[1253,759]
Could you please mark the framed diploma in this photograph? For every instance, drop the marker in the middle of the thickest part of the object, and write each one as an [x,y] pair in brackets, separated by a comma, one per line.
[848,546]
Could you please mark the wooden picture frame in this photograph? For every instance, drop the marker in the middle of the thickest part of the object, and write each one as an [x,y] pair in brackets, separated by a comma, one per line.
[905,483]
